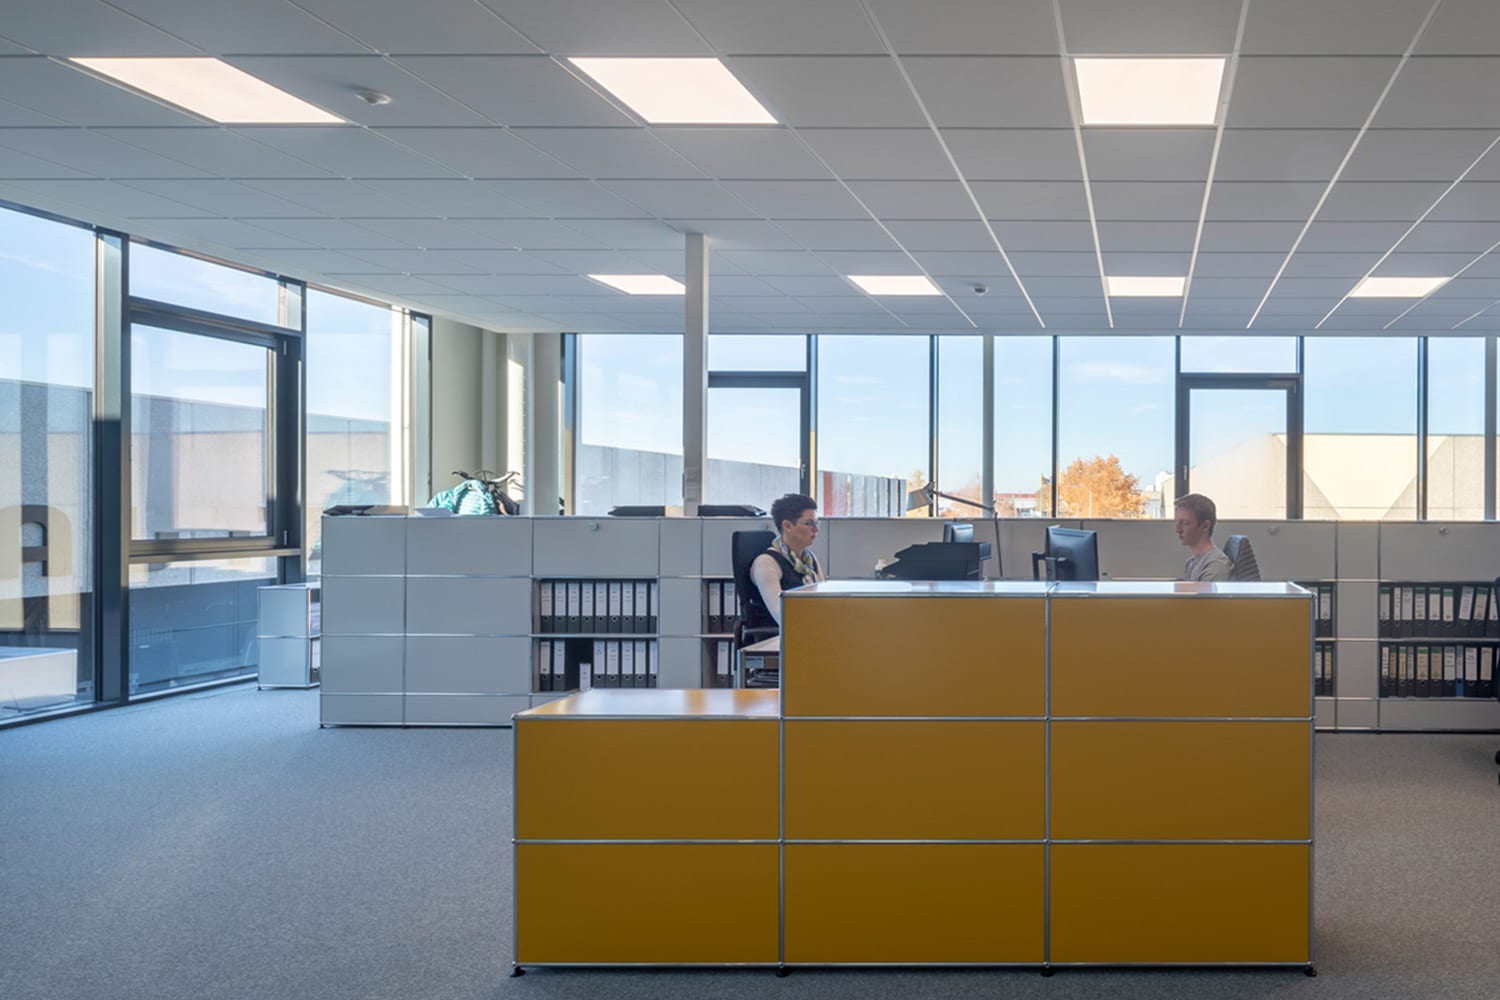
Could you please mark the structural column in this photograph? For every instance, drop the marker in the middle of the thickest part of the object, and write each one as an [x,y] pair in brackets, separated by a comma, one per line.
[695,377]
[544,451]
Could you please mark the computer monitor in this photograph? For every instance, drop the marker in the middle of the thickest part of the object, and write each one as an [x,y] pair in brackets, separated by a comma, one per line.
[954,531]
[1072,553]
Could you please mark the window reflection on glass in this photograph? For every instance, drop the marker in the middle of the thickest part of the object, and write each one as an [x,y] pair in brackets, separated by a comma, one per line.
[199,284]
[350,347]
[1359,450]
[960,425]
[1023,426]
[1237,450]
[754,445]
[1116,426]
[734,353]
[1261,355]
[198,436]
[1455,429]
[192,622]
[872,424]
[629,421]
[46,404]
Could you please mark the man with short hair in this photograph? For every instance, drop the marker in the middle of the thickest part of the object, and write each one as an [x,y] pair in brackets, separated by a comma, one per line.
[789,562]
[1196,516]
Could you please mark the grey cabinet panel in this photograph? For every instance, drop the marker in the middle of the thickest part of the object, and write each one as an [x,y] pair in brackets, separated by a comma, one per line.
[1285,550]
[681,604]
[1358,713]
[364,605]
[856,543]
[463,709]
[1420,713]
[358,546]
[1358,550]
[681,546]
[285,661]
[681,663]
[1138,550]
[468,546]
[287,609]
[595,547]
[1358,668]
[1434,551]
[360,709]
[468,665]
[1356,608]
[718,536]
[362,664]
[474,605]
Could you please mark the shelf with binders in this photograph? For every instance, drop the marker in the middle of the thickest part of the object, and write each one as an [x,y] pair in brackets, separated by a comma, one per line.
[1325,669]
[1437,612]
[1443,669]
[720,607]
[718,662]
[596,607]
[580,663]
[1326,608]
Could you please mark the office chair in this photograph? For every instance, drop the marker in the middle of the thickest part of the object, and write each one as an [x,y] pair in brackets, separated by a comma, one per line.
[1242,564]
[744,546]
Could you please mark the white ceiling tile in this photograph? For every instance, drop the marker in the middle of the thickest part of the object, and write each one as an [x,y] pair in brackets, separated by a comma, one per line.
[744,152]
[961,236]
[1045,235]
[1469,202]
[484,151]
[1325,235]
[974,91]
[611,152]
[90,152]
[566,199]
[796,199]
[1418,154]
[724,285]
[15,116]
[1009,201]
[1242,237]
[1074,263]
[968,27]
[1229,288]
[955,264]
[457,198]
[329,82]
[881,154]
[331,197]
[1156,154]
[890,200]
[429,233]
[1150,27]
[1219,310]
[594,261]
[855,303]
[1332,27]
[1281,154]
[221,27]
[837,234]
[1369,201]
[1228,264]
[230,233]
[783,27]
[1484,265]
[807,91]
[767,304]
[783,262]
[346,151]
[333,234]
[413,261]
[1307,92]
[1155,237]
[1444,92]
[524,284]
[442,26]
[1351,266]
[1251,201]
[685,198]
[1042,287]
[1462,27]
[111,199]
[398,284]
[69,28]
[869,262]
[1146,200]
[1015,154]
[216,151]
[738,234]
[1424,265]
[17,164]
[516,90]
[622,234]
[587,27]
[304,262]
[1153,264]
[811,284]
[72,96]
[229,198]
[9,48]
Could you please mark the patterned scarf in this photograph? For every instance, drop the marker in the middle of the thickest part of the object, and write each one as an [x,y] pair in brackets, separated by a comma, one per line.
[806,565]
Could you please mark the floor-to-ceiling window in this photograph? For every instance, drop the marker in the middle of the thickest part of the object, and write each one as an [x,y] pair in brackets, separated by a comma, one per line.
[874,436]
[629,422]
[1455,428]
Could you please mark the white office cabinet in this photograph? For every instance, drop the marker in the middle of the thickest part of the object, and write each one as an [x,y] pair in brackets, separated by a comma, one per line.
[595,547]
[1284,550]
[1359,669]
[718,541]
[1137,550]
[287,635]
[468,546]
[681,607]
[681,662]
[681,546]
[364,605]
[359,709]
[855,544]
[1357,607]
[468,605]
[363,664]
[364,546]
[468,664]
[1434,551]
[1358,550]
[463,710]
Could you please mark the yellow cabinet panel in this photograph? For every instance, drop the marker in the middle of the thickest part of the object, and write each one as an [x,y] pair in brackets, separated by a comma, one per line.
[1181,656]
[901,780]
[1181,780]
[913,656]
[649,903]
[647,780]
[914,903]
[1180,903]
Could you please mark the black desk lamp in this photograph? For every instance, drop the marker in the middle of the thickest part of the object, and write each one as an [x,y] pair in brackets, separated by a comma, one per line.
[925,496]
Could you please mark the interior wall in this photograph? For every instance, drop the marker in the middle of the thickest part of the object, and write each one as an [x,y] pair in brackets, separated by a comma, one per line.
[457,401]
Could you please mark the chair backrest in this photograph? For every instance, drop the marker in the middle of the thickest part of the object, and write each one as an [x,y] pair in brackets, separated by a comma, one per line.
[1242,564]
[744,546]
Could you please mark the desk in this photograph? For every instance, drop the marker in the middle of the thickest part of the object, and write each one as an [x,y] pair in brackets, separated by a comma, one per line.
[763,655]
[1085,774]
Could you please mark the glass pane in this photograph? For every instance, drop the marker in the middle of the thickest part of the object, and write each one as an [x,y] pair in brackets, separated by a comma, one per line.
[757,354]
[192,622]
[754,445]
[1266,355]
[960,425]
[199,284]
[629,421]
[197,437]
[350,346]
[872,424]
[1237,450]
[46,404]
[1023,426]
[1455,429]
[1359,451]
[1116,425]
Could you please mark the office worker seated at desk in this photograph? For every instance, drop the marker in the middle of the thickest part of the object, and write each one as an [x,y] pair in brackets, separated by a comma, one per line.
[1196,516]
[788,563]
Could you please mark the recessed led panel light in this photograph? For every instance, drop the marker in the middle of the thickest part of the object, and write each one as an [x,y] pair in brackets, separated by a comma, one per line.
[677,91]
[1396,288]
[213,89]
[1149,91]
[1126,286]
[895,284]
[642,284]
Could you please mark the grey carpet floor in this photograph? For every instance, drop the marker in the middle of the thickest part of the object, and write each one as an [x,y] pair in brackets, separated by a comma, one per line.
[222,846]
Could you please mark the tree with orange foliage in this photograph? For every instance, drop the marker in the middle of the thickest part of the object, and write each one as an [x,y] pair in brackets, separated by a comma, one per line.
[1099,487]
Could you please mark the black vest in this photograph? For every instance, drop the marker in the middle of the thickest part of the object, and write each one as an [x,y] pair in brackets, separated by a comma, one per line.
[757,615]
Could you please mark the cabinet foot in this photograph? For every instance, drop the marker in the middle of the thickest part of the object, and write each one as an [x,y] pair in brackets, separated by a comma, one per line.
[782,972]
[1310,971]
[517,971]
